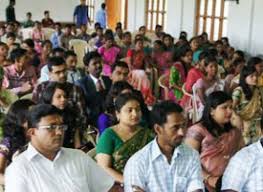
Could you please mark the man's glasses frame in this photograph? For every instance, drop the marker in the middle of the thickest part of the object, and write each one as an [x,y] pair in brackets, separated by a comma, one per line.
[62,127]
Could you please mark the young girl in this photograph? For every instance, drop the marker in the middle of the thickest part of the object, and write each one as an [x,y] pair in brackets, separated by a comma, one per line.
[177,76]
[109,53]
[206,85]
[135,57]
[38,36]
[45,54]
[247,103]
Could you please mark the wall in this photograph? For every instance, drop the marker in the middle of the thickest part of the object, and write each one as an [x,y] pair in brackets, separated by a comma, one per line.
[136,14]
[245,26]
[62,10]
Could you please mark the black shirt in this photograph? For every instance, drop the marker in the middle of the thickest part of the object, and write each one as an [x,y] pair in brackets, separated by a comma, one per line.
[10,14]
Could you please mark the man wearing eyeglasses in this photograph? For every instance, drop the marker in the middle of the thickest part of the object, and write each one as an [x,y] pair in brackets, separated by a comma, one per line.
[47,166]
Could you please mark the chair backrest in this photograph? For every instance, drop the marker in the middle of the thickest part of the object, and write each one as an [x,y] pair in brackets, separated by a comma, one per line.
[80,47]
[27,33]
[197,105]
[153,77]
[92,153]
[162,83]
[48,32]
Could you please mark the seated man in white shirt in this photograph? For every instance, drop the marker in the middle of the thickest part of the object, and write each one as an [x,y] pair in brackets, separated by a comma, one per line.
[46,166]
[165,164]
[244,172]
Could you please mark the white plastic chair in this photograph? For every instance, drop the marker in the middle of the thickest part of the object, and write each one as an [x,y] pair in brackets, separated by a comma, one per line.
[192,113]
[92,153]
[80,47]
[26,33]
[162,84]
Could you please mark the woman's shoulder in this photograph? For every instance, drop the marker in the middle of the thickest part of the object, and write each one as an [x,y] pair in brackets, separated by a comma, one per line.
[197,131]
[237,93]
[109,132]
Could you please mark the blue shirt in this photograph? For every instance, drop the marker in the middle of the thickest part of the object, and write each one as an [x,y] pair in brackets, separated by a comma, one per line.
[150,170]
[82,15]
[101,18]
[55,40]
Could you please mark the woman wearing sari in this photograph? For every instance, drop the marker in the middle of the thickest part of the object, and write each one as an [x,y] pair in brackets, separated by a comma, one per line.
[248,104]
[178,72]
[119,142]
[215,138]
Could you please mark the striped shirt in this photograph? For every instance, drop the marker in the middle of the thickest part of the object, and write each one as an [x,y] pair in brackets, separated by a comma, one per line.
[150,170]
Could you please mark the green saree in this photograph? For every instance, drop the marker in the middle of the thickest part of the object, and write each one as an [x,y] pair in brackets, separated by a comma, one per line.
[131,146]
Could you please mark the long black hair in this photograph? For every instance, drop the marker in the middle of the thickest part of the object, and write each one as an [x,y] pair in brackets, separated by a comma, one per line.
[13,123]
[246,71]
[49,91]
[181,52]
[114,91]
[213,100]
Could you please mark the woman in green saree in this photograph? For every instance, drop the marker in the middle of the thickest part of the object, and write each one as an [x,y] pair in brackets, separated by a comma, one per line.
[119,142]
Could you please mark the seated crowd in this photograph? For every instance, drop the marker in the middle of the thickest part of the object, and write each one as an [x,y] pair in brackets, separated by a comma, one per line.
[152,112]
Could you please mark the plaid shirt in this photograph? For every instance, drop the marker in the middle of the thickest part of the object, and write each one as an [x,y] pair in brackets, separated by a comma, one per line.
[245,170]
[150,170]
[75,96]
[14,80]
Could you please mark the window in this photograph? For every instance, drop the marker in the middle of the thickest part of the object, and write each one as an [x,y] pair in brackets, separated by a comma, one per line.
[155,13]
[211,17]
[90,3]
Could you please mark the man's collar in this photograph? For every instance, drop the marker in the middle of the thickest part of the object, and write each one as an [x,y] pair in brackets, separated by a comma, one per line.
[156,151]
[94,79]
[32,152]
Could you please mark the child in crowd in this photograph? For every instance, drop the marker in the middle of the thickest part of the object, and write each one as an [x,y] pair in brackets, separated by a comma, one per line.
[73,73]
[110,54]
[28,23]
[38,36]
[3,53]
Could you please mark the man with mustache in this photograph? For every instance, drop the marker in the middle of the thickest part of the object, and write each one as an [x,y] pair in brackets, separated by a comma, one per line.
[94,85]
[47,166]
[165,164]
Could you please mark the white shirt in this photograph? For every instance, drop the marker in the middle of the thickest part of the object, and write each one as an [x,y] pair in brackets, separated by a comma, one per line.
[94,79]
[70,171]
[150,170]
[245,170]
[44,74]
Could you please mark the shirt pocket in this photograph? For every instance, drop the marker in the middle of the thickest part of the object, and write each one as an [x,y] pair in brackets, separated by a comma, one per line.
[180,184]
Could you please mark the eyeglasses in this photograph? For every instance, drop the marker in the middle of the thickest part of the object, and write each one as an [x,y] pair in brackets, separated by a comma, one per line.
[53,127]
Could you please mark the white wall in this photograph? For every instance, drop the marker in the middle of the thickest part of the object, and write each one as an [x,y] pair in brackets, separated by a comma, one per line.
[60,10]
[136,14]
[256,45]
[245,26]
